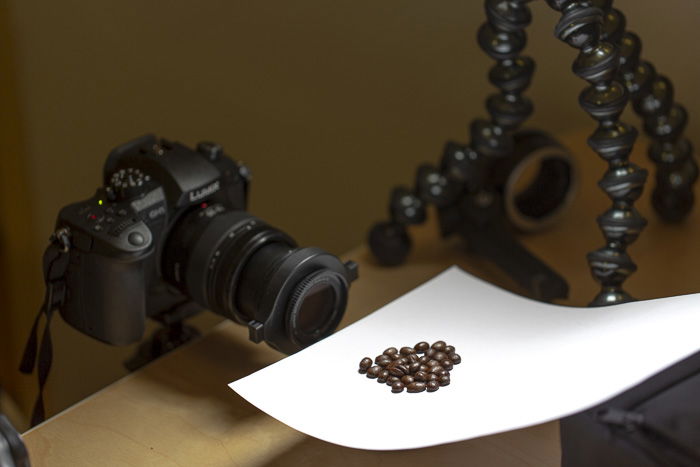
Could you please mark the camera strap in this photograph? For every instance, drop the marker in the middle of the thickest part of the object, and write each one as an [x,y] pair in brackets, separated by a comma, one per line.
[55,263]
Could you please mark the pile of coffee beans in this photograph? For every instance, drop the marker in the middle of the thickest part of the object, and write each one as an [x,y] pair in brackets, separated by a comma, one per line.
[423,367]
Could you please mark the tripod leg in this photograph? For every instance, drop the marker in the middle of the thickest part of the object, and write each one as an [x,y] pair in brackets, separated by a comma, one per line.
[664,120]
[581,27]
[463,169]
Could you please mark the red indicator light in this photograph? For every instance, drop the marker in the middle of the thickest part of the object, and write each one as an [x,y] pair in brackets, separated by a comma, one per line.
[93,217]
[203,205]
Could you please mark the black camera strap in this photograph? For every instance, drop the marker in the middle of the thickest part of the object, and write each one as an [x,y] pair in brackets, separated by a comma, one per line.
[55,263]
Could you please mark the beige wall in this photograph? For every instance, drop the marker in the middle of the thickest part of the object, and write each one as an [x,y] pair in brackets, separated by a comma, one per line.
[330,103]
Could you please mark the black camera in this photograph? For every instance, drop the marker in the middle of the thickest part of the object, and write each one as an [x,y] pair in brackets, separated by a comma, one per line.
[169,229]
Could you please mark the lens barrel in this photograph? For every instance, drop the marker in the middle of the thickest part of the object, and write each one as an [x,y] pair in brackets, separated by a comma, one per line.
[238,266]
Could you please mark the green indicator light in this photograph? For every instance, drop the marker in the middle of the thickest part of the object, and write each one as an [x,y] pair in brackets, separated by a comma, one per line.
[99,202]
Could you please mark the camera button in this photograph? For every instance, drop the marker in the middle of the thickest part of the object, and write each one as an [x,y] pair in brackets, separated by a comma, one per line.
[109,220]
[109,210]
[121,212]
[97,227]
[136,239]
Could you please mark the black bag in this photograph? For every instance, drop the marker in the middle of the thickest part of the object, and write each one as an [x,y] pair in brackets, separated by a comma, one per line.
[656,423]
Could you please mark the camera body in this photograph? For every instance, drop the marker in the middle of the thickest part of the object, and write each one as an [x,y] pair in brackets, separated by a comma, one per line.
[114,278]
[168,233]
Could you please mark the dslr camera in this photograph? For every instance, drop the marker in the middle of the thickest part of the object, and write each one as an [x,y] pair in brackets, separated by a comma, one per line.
[169,229]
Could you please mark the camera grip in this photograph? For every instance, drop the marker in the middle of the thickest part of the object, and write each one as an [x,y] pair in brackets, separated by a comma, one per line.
[106,298]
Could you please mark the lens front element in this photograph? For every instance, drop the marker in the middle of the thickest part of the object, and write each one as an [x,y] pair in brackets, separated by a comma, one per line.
[316,307]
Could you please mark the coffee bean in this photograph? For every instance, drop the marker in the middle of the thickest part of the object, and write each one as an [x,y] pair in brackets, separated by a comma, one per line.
[405,369]
[421,376]
[397,387]
[365,363]
[383,360]
[398,370]
[416,387]
[439,346]
[421,346]
[391,351]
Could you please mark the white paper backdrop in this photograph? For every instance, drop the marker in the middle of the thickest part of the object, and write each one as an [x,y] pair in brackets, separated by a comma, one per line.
[523,363]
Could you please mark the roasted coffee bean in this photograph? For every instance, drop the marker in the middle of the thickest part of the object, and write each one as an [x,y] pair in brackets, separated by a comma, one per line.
[416,387]
[405,368]
[373,372]
[439,346]
[365,363]
[407,379]
[391,351]
[421,346]
[397,387]
[383,360]
[398,370]
[421,376]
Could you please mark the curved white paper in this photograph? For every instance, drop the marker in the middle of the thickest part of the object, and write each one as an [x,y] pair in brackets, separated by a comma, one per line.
[523,363]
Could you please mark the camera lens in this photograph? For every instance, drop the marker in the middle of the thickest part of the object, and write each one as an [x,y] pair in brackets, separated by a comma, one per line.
[243,269]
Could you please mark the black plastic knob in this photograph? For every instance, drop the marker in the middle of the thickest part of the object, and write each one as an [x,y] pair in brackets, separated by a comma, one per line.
[389,243]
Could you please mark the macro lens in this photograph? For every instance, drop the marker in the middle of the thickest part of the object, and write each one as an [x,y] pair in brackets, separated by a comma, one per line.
[238,266]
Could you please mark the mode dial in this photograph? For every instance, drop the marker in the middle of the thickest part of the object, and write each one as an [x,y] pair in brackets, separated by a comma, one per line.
[127,183]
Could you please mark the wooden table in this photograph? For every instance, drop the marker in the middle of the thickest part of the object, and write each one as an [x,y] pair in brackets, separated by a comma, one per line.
[179,410]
